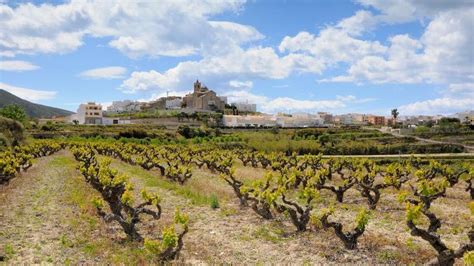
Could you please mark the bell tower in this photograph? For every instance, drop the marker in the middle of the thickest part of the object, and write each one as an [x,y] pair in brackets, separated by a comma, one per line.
[197,86]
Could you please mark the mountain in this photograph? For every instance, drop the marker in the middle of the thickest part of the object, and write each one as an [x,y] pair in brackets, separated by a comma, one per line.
[32,109]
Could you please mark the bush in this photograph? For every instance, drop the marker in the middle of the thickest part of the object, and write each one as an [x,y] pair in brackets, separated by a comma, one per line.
[48,127]
[190,133]
[14,112]
[185,131]
[134,133]
[308,133]
[3,141]
[214,202]
[12,131]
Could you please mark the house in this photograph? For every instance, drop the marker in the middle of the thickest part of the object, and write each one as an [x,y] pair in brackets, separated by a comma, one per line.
[204,99]
[284,121]
[116,121]
[466,117]
[327,117]
[245,107]
[175,103]
[89,114]
[299,120]
[390,122]
[346,119]
[249,121]
[359,119]
[376,120]
[125,106]
[165,103]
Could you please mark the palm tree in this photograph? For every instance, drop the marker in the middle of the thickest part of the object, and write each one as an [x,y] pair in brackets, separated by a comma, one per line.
[395,114]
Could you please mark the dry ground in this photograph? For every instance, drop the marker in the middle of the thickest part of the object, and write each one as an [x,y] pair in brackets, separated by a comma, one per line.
[46,215]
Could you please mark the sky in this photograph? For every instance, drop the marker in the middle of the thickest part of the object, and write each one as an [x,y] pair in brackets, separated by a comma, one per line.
[360,56]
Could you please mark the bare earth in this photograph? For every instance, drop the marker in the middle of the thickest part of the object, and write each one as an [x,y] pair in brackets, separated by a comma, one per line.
[33,212]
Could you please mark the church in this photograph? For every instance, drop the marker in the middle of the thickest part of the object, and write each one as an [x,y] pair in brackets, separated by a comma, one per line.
[203,99]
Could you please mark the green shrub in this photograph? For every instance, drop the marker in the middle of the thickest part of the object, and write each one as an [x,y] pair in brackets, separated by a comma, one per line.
[14,112]
[134,133]
[214,202]
[12,131]
[49,126]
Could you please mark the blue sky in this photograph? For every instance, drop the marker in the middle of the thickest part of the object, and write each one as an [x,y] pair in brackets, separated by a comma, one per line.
[365,56]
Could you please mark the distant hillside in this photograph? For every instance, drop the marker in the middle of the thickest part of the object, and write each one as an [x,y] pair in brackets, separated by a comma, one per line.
[32,109]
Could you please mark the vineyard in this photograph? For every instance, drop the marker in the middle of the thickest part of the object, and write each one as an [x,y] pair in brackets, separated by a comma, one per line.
[115,202]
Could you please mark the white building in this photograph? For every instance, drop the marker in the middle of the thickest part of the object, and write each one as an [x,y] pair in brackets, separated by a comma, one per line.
[115,121]
[298,121]
[124,106]
[344,119]
[249,121]
[89,113]
[301,120]
[245,107]
[175,103]
[351,119]
[466,117]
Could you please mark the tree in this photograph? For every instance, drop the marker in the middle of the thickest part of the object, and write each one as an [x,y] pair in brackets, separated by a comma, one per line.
[323,139]
[395,114]
[449,121]
[185,131]
[14,112]
[11,132]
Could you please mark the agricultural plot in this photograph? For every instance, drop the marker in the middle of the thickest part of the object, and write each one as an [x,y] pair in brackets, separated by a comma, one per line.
[109,202]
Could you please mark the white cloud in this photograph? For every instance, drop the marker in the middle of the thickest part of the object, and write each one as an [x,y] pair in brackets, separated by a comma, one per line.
[294,105]
[171,28]
[28,94]
[443,55]
[156,96]
[402,11]
[354,99]
[393,10]
[17,65]
[241,84]
[112,72]
[281,86]
[443,105]
[361,22]
[219,71]
[288,104]
[229,56]
[456,98]
[347,98]
[282,104]
[245,96]
[461,90]
[136,28]
[331,46]
[30,29]
[7,54]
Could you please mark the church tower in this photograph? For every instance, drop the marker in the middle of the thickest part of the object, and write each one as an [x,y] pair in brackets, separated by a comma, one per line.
[197,86]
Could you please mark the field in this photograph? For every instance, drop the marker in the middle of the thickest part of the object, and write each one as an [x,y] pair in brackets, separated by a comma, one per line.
[228,204]
[330,141]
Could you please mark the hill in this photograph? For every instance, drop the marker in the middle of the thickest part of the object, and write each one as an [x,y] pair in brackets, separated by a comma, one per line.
[32,109]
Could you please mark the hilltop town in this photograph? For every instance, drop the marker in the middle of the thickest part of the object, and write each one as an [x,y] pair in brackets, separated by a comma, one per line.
[205,102]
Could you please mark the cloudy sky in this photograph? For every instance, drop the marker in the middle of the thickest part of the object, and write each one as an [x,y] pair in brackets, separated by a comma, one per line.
[293,56]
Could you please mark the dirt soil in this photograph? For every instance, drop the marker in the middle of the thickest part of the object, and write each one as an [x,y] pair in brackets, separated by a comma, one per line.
[33,214]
